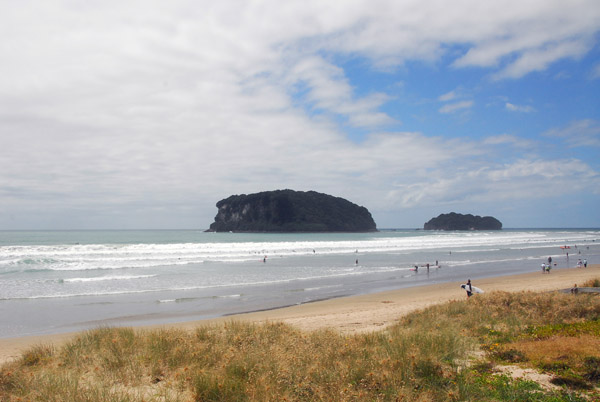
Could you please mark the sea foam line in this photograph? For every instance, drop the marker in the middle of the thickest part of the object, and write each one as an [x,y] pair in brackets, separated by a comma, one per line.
[108,278]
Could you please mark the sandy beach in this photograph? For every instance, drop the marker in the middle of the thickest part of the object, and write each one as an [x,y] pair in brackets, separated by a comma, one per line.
[355,314]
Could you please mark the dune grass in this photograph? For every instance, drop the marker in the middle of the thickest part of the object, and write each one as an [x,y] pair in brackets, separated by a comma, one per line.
[431,355]
[592,283]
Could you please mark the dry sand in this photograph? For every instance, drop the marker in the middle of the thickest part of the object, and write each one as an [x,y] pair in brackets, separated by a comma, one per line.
[356,314]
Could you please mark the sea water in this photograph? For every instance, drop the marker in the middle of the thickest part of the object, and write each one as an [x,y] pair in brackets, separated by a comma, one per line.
[61,281]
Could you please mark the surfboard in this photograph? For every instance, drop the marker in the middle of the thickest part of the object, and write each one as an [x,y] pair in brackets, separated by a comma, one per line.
[475,289]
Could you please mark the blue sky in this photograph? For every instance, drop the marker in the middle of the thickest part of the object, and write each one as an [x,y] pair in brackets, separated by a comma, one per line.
[141,114]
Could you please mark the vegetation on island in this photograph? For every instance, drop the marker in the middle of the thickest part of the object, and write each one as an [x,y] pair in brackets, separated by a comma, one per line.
[290,211]
[454,221]
[447,352]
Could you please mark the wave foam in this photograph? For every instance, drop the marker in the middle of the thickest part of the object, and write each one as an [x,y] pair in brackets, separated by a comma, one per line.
[108,278]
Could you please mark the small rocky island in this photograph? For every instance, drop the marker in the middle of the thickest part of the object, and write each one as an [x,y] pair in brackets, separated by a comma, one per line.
[454,221]
[290,211]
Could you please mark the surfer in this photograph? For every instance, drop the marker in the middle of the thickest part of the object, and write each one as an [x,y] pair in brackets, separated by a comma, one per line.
[469,288]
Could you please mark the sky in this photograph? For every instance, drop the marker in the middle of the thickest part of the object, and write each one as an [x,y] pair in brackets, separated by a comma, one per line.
[144,114]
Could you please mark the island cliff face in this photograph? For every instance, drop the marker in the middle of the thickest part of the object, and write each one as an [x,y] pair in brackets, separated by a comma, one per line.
[290,211]
[454,221]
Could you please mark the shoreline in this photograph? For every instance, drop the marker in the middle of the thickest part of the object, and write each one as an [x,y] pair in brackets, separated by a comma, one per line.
[350,314]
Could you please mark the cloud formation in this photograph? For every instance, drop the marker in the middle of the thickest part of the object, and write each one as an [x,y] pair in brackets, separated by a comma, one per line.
[580,133]
[456,106]
[144,114]
[519,108]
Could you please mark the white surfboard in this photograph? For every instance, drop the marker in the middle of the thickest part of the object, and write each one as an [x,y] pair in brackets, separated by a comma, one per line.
[475,289]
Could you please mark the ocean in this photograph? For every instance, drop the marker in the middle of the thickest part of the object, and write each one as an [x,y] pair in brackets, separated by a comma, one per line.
[63,281]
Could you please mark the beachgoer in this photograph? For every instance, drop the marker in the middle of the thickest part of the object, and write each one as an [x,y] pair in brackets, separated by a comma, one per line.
[356,262]
[574,289]
[469,288]
[548,268]
[549,260]
[427,267]
[585,263]
[579,263]
[265,259]
[436,263]
[543,268]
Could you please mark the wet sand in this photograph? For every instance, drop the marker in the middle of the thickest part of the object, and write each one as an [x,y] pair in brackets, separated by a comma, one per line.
[356,314]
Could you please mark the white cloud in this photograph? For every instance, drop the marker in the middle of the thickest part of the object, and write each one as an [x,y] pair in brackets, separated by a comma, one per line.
[116,110]
[539,59]
[519,108]
[456,106]
[522,37]
[448,96]
[524,179]
[507,139]
[327,89]
[596,71]
[580,133]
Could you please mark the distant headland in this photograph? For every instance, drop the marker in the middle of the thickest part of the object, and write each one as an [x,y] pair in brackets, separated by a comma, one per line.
[290,211]
[454,221]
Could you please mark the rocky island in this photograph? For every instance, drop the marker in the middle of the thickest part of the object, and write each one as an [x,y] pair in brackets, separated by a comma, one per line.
[290,211]
[454,221]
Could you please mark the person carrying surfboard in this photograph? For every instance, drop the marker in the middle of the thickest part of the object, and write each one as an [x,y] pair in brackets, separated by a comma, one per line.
[470,289]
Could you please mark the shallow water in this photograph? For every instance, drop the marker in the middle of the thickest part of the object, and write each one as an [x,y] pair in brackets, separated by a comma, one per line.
[71,280]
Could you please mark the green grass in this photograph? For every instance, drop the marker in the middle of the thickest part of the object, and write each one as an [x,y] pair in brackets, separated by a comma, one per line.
[565,329]
[428,356]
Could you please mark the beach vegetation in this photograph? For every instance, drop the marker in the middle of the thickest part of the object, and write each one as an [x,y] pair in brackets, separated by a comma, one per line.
[592,283]
[447,352]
